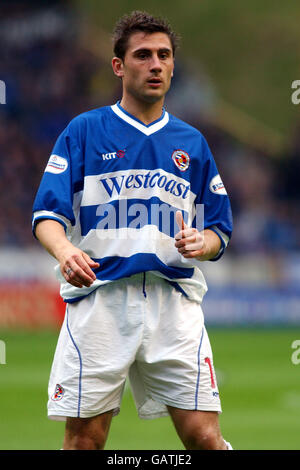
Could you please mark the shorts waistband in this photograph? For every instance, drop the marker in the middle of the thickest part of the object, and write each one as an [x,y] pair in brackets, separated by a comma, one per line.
[146,276]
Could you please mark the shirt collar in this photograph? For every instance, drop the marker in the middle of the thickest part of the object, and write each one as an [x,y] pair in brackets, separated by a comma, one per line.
[133,121]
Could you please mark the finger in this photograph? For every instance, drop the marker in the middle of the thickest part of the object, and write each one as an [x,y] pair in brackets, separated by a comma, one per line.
[192,254]
[196,244]
[81,272]
[190,249]
[73,278]
[67,275]
[93,264]
[75,284]
[193,244]
[84,263]
[183,235]
[180,222]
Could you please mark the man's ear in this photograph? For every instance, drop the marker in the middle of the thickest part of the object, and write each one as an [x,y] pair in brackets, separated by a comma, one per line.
[117,66]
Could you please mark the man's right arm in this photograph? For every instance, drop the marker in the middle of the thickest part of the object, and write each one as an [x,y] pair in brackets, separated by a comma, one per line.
[75,265]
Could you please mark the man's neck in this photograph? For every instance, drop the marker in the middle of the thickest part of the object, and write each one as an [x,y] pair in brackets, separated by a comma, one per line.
[145,112]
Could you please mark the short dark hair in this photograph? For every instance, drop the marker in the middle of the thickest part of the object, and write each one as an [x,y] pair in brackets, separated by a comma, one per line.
[140,21]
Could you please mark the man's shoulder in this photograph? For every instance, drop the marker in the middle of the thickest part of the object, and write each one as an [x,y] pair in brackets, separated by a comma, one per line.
[90,116]
[179,124]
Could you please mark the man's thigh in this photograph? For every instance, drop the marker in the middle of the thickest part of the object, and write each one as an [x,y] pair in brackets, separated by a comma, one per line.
[198,429]
[87,433]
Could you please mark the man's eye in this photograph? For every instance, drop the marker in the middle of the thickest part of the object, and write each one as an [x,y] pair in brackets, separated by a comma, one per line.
[164,55]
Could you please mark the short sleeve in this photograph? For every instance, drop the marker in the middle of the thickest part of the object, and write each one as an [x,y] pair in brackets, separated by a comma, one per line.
[61,178]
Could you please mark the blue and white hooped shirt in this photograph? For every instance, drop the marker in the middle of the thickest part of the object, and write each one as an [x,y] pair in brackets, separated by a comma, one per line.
[115,185]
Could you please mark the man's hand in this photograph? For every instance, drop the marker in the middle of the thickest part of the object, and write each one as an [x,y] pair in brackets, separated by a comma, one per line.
[191,243]
[75,265]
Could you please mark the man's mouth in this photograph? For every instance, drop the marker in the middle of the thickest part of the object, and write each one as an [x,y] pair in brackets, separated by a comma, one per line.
[154,82]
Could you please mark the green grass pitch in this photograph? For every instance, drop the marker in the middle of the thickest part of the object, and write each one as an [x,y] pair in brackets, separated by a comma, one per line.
[259,387]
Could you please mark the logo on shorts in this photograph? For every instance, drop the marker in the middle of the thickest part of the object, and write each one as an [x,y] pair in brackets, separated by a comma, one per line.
[181,159]
[58,394]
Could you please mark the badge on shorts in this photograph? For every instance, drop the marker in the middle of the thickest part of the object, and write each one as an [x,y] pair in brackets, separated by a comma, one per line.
[59,393]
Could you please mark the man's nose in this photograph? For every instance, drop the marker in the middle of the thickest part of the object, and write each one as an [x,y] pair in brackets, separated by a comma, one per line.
[155,63]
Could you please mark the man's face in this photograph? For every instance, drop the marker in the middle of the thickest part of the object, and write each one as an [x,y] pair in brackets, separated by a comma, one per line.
[147,67]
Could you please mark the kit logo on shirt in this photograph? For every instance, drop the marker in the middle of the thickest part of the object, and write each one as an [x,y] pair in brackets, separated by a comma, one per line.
[56,164]
[181,159]
[111,155]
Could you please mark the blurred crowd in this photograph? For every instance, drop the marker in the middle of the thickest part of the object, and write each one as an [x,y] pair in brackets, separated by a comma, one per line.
[50,79]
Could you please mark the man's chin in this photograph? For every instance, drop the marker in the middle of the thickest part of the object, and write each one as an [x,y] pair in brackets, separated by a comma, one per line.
[149,96]
[152,98]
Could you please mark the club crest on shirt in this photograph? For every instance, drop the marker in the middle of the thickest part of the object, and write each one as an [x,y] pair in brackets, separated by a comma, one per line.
[58,393]
[181,159]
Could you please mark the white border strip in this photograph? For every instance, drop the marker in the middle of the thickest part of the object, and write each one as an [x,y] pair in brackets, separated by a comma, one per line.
[144,129]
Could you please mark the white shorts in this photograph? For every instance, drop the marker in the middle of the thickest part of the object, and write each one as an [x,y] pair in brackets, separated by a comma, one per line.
[138,327]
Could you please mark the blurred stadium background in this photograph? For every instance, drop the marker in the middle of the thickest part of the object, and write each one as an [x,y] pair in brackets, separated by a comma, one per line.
[233,79]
